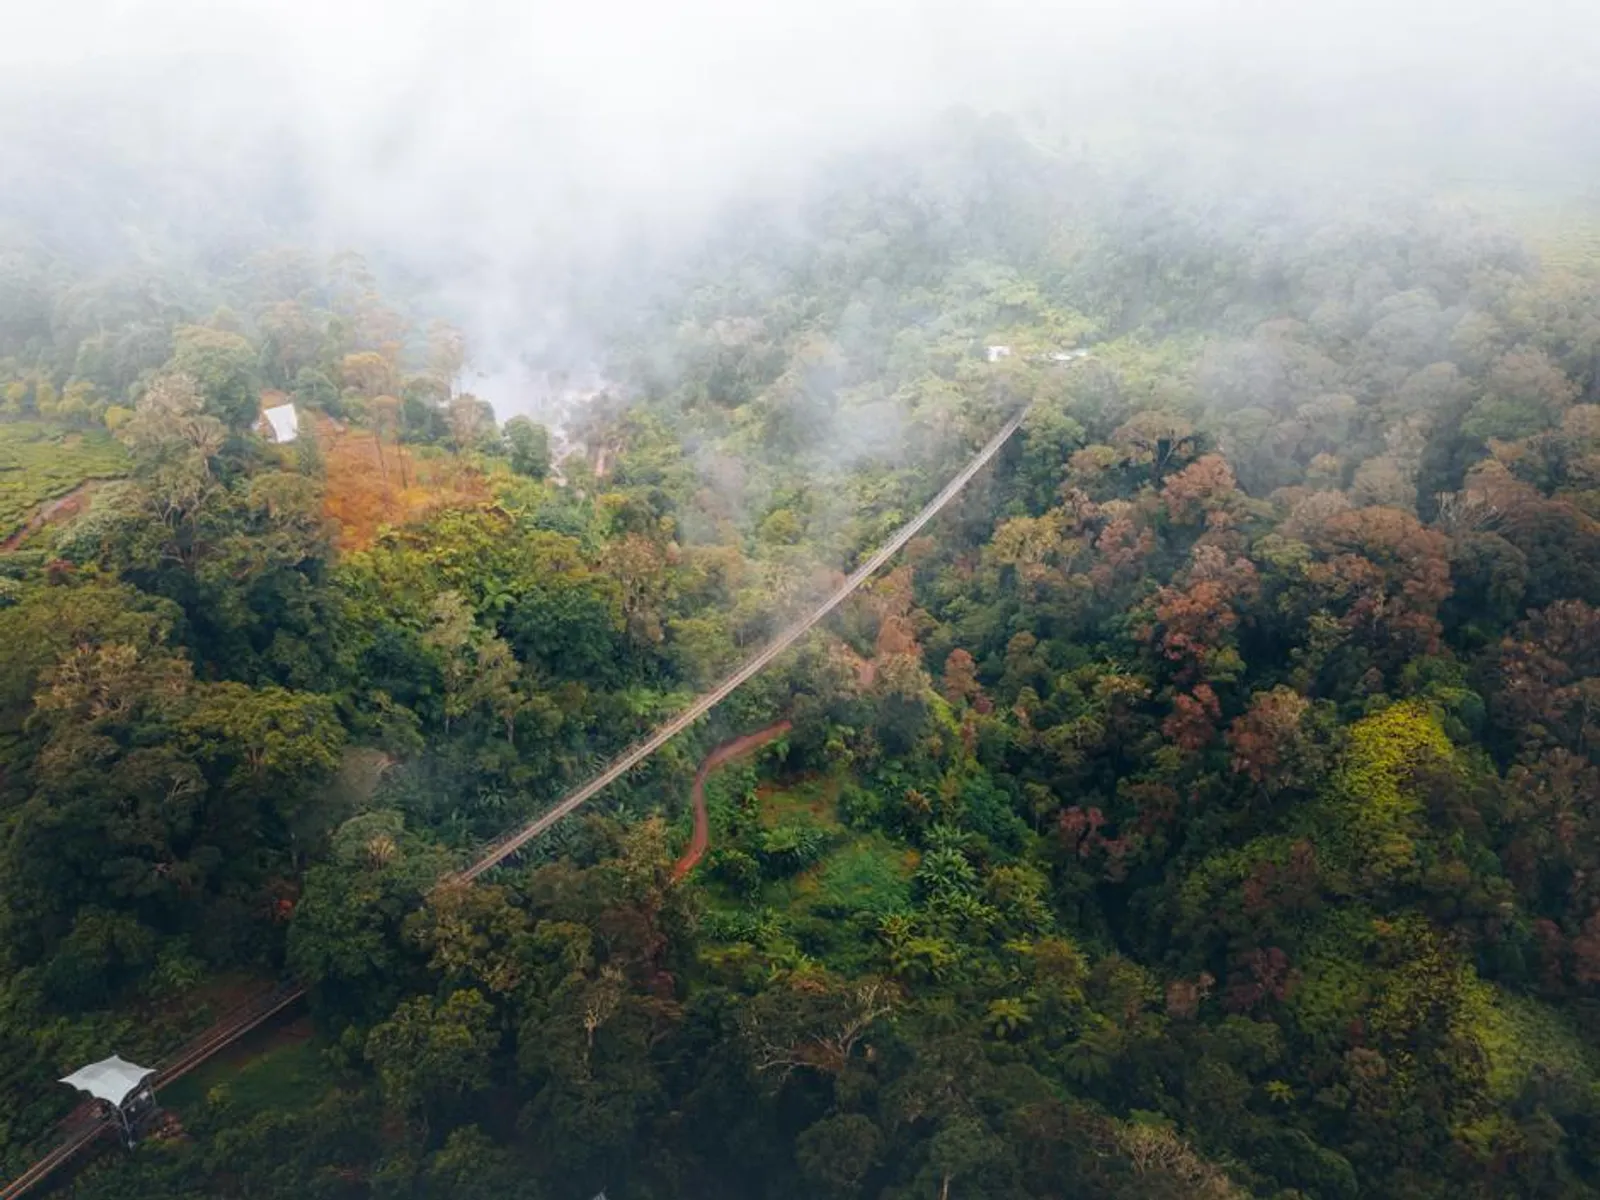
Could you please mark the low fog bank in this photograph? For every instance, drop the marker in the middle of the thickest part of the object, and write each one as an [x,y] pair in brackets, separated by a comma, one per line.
[537,167]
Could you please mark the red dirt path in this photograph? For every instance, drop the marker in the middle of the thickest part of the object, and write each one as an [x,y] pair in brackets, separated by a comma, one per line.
[59,509]
[728,750]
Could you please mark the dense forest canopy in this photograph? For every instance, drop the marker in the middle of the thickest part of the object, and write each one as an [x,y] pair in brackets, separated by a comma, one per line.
[1209,805]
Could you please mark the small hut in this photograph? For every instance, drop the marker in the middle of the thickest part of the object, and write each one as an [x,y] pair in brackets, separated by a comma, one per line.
[123,1085]
[283,423]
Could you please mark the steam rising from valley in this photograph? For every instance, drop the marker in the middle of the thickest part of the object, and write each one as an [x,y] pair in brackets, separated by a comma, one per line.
[540,168]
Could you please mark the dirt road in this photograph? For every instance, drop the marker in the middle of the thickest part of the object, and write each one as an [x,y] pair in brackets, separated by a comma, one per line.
[59,509]
[738,747]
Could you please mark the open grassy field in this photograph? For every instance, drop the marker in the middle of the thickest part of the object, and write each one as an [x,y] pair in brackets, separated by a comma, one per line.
[39,462]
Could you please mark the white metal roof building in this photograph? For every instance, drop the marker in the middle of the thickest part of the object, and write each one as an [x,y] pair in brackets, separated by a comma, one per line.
[112,1079]
[284,423]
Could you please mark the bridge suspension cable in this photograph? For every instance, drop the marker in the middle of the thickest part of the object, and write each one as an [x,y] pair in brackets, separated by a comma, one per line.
[504,847]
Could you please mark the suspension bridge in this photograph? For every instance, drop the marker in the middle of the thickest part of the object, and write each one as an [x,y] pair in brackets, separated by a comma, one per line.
[84,1126]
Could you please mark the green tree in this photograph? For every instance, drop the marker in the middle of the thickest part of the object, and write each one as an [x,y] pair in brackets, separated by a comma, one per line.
[291,342]
[223,366]
[529,443]
[431,1051]
[314,389]
[346,937]
[479,668]
[274,739]
[837,1152]
[469,1166]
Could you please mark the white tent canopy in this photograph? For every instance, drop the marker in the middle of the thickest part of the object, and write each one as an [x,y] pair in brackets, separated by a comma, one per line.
[113,1079]
[285,424]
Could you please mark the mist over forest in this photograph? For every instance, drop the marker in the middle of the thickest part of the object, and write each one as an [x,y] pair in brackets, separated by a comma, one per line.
[407,409]
[517,160]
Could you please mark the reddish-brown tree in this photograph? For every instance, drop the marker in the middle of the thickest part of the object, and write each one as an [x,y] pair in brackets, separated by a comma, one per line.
[1267,741]
[1193,721]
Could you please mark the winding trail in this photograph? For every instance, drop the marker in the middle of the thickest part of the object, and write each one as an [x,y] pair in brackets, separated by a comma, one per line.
[736,748]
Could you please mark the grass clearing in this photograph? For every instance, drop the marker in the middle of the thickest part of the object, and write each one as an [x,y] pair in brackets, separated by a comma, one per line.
[868,874]
[40,462]
[828,910]
[1565,237]
[274,1068]
[813,801]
